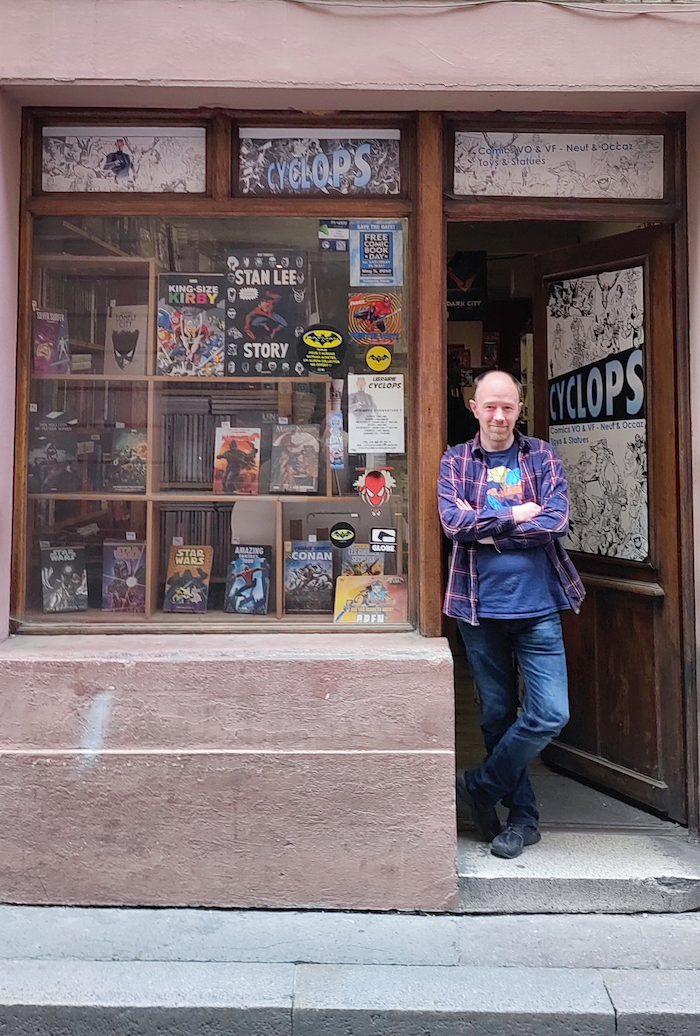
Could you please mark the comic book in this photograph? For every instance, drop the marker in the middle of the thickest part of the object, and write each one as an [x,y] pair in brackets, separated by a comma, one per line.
[266,297]
[294,461]
[127,460]
[52,462]
[308,577]
[248,580]
[187,582]
[359,560]
[124,576]
[191,324]
[50,346]
[126,338]
[370,599]
[64,579]
[236,460]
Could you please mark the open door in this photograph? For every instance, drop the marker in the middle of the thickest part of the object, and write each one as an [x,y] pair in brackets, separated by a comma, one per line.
[605,396]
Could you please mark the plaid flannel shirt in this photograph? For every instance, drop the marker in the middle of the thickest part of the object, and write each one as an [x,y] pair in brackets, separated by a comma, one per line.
[463,477]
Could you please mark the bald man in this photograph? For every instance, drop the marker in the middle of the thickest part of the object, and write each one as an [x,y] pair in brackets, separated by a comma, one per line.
[503,500]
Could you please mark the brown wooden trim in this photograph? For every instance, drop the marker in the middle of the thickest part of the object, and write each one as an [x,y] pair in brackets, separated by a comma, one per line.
[196,205]
[24,332]
[430,370]
[575,210]
[271,624]
[628,586]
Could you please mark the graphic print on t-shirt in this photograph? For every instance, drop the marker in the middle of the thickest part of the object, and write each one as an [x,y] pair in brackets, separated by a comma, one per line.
[504,487]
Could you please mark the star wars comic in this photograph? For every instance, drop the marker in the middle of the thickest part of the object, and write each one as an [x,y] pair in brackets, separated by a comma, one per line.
[64,579]
[266,296]
[124,577]
[191,324]
[187,582]
[236,460]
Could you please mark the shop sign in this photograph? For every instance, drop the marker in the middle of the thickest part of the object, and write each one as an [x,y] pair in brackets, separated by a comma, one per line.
[559,165]
[148,159]
[595,356]
[305,161]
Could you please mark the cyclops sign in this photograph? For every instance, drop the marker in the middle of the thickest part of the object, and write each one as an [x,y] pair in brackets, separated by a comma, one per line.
[611,389]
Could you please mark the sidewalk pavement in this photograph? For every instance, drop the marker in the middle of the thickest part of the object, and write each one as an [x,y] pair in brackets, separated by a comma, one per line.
[88,971]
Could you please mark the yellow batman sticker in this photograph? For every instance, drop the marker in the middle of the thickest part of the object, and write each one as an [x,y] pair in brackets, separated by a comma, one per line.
[378,358]
[322,338]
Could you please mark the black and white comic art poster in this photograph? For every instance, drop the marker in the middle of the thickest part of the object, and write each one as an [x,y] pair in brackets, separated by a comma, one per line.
[597,415]
[375,413]
[149,159]
[265,312]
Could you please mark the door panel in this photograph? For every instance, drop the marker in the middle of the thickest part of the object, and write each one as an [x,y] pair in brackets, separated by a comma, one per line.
[605,394]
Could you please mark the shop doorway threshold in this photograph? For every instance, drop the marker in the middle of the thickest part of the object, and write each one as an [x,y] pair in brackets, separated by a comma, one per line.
[597,855]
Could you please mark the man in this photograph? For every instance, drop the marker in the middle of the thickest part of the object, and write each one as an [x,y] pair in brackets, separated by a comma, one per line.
[503,500]
[361,402]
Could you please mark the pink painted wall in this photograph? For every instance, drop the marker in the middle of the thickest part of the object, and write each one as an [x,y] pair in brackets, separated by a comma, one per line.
[335,55]
[9,240]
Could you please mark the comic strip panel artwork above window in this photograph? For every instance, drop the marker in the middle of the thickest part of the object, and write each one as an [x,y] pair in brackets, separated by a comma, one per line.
[597,416]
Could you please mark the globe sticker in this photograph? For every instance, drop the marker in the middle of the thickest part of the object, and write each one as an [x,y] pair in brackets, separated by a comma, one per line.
[378,358]
[321,348]
[342,535]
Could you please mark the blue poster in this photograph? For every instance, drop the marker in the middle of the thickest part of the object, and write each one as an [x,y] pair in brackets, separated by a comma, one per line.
[376,253]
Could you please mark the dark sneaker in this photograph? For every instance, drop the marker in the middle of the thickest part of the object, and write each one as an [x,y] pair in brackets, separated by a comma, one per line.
[485,818]
[513,840]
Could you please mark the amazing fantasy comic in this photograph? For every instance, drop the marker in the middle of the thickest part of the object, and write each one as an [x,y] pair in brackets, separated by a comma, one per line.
[248,580]
[191,324]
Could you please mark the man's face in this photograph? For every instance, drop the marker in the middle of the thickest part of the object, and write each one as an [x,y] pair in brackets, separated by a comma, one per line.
[361,384]
[496,407]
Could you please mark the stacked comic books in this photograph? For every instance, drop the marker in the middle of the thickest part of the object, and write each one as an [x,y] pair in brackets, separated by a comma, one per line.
[64,579]
[187,581]
[308,577]
[124,577]
[248,581]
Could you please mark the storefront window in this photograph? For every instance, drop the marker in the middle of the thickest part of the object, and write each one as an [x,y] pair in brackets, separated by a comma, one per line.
[216,426]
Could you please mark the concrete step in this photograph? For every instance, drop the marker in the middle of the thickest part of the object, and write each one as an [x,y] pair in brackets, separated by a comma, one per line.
[193,999]
[583,872]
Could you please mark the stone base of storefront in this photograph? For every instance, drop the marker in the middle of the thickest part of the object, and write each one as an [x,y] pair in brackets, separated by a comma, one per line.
[268,770]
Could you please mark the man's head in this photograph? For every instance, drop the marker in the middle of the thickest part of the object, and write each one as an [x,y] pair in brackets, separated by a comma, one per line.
[496,406]
[361,384]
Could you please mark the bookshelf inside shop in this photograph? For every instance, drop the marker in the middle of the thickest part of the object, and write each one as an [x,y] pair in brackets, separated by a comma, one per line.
[190,462]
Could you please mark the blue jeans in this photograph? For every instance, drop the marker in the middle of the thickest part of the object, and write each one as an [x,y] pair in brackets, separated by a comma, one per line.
[511,740]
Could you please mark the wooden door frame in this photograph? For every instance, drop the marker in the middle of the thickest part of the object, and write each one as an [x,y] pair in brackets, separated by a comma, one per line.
[671,210]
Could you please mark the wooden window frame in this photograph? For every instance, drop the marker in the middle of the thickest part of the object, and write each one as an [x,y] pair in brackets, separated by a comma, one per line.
[219,200]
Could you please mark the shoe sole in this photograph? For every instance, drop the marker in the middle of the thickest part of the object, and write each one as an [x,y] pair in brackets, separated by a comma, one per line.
[465,797]
[533,839]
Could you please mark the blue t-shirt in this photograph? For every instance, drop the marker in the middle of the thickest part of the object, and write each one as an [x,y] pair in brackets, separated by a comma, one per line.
[514,584]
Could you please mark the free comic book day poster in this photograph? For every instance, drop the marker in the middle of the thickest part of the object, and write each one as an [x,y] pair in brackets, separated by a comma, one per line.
[50,346]
[126,338]
[124,158]
[266,295]
[248,580]
[370,599]
[124,577]
[376,253]
[597,417]
[236,460]
[308,577]
[187,582]
[374,318]
[64,579]
[294,463]
[191,324]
